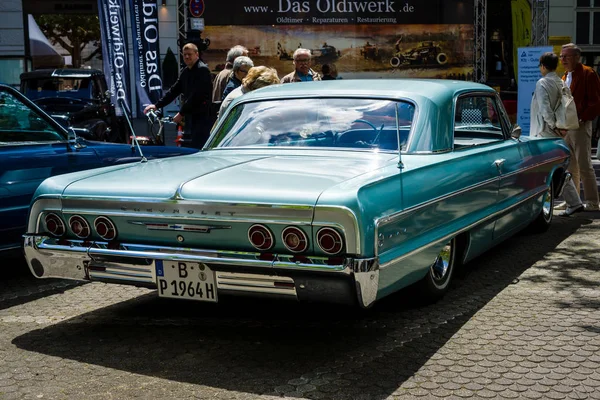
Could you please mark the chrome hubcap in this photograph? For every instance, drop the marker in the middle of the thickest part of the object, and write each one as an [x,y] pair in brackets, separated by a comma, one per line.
[547,205]
[441,266]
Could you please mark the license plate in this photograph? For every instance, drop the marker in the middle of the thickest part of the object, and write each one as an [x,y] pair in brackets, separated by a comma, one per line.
[185,280]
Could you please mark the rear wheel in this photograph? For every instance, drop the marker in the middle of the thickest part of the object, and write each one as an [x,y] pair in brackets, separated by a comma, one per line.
[437,281]
[544,219]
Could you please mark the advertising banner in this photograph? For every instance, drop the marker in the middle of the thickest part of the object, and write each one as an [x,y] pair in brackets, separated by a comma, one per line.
[146,52]
[521,27]
[111,14]
[362,39]
[529,74]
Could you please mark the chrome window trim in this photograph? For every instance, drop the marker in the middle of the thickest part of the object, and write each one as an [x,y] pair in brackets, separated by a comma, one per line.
[33,143]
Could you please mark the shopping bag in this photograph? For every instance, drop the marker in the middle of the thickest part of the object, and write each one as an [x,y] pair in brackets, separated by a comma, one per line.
[566,111]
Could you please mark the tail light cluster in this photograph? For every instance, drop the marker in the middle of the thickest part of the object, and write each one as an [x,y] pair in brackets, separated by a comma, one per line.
[295,240]
[80,227]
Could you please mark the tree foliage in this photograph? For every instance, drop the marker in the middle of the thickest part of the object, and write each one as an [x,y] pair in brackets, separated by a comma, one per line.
[73,32]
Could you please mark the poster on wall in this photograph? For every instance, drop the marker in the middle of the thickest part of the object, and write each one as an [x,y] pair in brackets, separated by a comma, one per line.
[529,74]
[363,39]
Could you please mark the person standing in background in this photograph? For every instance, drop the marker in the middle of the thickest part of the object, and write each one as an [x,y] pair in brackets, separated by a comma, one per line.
[256,78]
[302,71]
[326,71]
[241,65]
[548,92]
[585,87]
[195,86]
[222,78]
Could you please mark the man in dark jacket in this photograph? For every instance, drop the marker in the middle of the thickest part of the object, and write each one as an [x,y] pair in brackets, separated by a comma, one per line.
[195,86]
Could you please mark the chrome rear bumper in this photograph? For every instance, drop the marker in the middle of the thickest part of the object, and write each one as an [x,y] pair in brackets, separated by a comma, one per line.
[237,273]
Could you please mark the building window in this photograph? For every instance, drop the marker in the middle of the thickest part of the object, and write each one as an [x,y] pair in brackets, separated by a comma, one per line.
[587,22]
[10,71]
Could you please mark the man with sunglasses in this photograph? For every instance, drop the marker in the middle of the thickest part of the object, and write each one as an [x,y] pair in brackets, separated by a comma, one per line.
[302,72]
[585,87]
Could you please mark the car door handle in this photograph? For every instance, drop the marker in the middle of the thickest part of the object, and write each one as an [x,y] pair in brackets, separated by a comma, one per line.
[500,162]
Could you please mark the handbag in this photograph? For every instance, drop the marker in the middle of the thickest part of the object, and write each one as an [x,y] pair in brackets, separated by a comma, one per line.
[566,111]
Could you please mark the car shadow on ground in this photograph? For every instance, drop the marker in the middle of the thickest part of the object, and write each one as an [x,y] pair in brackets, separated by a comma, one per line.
[283,348]
[19,286]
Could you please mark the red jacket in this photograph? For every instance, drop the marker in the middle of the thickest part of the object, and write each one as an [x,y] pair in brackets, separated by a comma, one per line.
[585,87]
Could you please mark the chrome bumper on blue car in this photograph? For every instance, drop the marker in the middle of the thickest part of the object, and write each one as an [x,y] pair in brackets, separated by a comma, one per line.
[311,279]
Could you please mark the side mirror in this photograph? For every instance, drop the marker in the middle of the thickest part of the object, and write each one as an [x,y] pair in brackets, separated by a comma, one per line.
[76,140]
[516,132]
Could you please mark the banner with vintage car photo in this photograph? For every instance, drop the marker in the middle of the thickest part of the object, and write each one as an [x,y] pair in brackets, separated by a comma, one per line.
[115,58]
[146,52]
[362,39]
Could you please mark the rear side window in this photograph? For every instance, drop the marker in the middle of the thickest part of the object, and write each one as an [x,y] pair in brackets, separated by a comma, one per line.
[477,121]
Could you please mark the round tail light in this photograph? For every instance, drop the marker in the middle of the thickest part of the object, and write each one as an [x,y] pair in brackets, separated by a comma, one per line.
[330,241]
[105,228]
[54,225]
[261,237]
[79,226]
[294,239]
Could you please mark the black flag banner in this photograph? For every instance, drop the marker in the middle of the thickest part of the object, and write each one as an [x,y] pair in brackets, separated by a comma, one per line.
[114,52]
[146,51]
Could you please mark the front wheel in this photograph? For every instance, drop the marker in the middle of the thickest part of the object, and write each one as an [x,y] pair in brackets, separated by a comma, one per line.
[437,281]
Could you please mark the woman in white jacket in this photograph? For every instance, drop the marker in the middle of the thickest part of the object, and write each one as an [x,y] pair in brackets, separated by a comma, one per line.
[548,91]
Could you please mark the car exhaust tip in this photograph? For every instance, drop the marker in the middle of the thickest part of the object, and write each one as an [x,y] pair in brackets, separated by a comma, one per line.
[37,268]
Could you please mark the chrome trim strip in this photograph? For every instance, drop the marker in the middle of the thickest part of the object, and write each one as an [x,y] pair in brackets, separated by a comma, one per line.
[99,250]
[179,227]
[390,218]
[256,283]
[464,229]
[531,167]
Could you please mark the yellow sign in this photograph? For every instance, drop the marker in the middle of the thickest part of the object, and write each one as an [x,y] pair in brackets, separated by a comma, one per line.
[556,42]
[521,28]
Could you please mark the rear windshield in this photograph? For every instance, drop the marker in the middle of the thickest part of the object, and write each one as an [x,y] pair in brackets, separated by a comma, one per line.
[324,122]
[79,88]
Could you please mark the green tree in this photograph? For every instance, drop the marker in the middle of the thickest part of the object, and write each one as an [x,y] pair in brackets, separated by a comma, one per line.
[73,32]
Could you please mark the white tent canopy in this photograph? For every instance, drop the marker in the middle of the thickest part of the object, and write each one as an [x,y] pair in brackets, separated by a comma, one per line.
[42,52]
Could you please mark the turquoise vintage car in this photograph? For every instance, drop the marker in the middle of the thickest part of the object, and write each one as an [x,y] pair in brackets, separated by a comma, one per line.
[342,191]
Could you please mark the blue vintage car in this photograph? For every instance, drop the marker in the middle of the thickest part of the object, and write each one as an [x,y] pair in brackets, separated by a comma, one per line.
[342,191]
[34,147]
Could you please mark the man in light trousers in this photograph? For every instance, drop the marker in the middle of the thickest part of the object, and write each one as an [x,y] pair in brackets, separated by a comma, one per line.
[585,87]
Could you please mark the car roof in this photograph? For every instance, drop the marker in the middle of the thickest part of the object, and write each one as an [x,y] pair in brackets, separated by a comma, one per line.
[62,73]
[438,91]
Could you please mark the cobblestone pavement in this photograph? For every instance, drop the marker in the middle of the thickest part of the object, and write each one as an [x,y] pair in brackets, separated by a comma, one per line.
[523,321]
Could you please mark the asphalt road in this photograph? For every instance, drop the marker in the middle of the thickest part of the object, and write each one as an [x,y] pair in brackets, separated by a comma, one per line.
[523,321]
